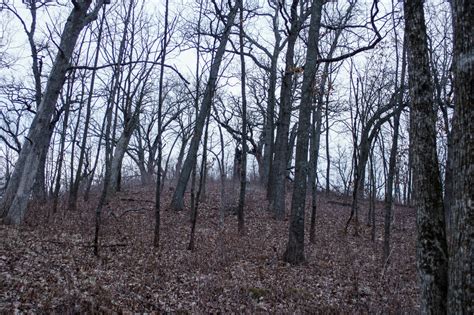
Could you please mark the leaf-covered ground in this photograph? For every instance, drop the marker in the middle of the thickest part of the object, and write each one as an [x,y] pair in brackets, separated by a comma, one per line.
[47,265]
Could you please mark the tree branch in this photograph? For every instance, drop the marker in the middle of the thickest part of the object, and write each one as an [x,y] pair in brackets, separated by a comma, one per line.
[116,64]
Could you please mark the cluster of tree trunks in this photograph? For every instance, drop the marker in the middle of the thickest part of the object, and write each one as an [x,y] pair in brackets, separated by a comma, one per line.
[206,104]
[435,261]
[445,224]
[14,203]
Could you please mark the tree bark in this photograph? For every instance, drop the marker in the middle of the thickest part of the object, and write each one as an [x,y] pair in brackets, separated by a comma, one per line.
[461,271]
[156,237]
[119,152]
[195,198]
[392,165]
[19,188]
[431,253]
[294,252]
[269,147]
[243,166]
[67,107]
[279,165]
[177,202]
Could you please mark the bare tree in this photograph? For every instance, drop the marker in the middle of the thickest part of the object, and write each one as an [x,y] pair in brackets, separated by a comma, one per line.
[141,51]
[278,173]
[432,259]
[67,106]
[243,166]
[164,43]
[389,200]
[177,201]
[20,186]
[322,94]
[74,189]
[294,252]
[270,69]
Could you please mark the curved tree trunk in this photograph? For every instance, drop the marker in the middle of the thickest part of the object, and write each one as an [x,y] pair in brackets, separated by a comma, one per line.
[119,153]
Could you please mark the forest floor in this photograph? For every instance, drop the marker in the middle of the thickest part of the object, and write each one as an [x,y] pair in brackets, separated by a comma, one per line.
[48,265]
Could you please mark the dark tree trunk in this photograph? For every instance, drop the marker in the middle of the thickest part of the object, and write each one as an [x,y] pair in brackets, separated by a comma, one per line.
[392,166]
[243,166]
[328,155]
[389,190]
[78,178]
[372,195]
[279,165]
[195,197]
[67,106]
[291,146]
[314,154]
[179,161]
[39,188]
[268,148]
[203,181]
[461,271]
[432,260]
[269,145]
[294,252]
[156,237]
[178,201]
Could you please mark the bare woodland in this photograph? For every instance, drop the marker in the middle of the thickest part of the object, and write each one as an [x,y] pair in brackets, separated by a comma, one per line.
[206,156]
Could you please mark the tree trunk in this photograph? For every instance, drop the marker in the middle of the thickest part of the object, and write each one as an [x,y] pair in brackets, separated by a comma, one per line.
[291,146]
[279,165]
[67,107]
[314,154]
[432,262]
[269,145]
[75,186]
[328,155]
[20,186]
[373,195]
[389,190]
[156,237]
[243,166]
[39,188]
[179,161]
[269,120]
[223,179]
[461,271]
[177,201]
[392,165]
[195,198]
[203,181]
[316,130]
[294,252]
[119,152]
